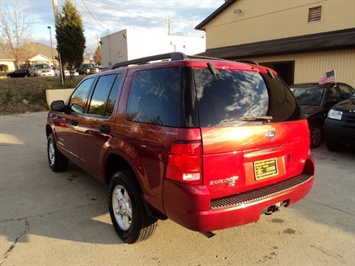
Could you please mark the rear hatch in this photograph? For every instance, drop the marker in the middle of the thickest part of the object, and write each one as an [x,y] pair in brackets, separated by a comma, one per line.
[253,131]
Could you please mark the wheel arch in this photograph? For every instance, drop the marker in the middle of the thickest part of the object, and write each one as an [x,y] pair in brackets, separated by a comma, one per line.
[49,130]
[114,162]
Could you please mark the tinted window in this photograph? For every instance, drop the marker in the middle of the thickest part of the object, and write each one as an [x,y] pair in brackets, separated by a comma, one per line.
[232,98]
[155,97]
[333,95]
[283,105]
[229,97]
[346,91]
[79,97]
[113,96]
[102,94]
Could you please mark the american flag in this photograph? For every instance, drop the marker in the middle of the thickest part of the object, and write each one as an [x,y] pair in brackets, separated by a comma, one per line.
[328,77]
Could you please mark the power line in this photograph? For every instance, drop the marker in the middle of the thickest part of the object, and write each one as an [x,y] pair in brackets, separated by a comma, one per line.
[162,16]
[93,16]
[137,14]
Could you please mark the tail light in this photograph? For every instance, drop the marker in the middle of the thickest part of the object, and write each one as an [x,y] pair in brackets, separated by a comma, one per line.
[184,163]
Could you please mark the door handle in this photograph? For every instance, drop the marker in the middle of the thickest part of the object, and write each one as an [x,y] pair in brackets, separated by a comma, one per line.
[105,129]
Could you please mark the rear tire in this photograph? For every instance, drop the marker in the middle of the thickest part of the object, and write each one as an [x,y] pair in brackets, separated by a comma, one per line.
[128,214]
[57,161]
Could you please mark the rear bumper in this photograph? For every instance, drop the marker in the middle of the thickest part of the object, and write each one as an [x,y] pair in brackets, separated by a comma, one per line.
[191,206]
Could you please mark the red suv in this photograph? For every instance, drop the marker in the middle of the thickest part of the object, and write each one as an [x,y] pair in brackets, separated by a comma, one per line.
[207,143]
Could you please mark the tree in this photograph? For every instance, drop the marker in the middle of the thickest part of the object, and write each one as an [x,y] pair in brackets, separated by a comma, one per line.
[15,29]
[97,55]
[70,36]
[2,44]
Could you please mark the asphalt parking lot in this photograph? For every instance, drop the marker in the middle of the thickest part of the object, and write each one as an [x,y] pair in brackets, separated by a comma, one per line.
[48,218]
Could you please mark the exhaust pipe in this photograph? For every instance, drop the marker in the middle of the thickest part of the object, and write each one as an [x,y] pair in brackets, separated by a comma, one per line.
[275,208]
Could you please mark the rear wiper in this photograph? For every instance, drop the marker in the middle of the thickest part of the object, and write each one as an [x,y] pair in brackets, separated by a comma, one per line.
[266,118]
[231,121]
[211,68]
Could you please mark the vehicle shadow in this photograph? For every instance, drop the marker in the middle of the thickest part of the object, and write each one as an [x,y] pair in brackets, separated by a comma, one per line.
[331,200]
[71,205]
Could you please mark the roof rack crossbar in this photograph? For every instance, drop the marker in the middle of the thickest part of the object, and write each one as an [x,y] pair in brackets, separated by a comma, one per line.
[144,60]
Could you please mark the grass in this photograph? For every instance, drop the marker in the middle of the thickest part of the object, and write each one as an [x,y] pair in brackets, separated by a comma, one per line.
[21,95]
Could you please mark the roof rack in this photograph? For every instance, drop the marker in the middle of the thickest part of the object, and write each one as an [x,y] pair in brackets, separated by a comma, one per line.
[144,60]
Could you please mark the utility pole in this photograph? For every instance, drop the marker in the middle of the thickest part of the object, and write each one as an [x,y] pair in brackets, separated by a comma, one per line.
[55,11]
[50,35]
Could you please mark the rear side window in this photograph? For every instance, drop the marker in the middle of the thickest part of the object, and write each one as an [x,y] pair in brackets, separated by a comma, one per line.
[155,97]
[104,96]
[233,98]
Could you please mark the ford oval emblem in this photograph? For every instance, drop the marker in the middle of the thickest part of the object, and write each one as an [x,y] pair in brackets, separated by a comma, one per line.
[270,134]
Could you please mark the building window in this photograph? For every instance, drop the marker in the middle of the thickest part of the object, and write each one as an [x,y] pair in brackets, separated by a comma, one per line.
[314,14]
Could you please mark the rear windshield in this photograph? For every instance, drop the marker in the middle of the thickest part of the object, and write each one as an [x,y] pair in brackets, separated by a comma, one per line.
[233,98]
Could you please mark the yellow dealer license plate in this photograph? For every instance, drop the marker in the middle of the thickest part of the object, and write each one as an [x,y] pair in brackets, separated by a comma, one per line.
[266,168]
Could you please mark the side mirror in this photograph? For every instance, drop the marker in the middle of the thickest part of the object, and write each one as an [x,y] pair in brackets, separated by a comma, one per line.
[58,105]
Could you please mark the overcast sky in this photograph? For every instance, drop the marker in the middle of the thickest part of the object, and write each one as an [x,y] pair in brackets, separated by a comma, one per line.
[109,16]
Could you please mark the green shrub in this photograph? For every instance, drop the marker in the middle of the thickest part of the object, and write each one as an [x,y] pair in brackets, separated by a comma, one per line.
[4,68]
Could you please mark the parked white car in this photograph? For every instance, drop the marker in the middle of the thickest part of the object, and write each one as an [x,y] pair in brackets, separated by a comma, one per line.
[66,72]
[41,70]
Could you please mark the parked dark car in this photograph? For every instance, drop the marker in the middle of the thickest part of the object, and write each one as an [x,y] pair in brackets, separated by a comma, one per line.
[205,142]
[19,73]
[340,125]
[316,100]
[88,69]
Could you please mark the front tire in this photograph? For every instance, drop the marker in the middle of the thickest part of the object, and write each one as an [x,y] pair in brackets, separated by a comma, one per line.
[316,135]
[57,161]
[333,145]
[128,214]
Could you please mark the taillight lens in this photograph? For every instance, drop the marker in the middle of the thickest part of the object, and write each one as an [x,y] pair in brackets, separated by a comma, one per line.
[184,163]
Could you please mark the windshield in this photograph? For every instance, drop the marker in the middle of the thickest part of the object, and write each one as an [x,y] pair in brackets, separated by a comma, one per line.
[41,66]
[232,98]
[308,96]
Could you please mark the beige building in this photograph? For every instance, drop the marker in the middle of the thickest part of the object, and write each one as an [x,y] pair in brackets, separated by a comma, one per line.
[36,53]
[299,39]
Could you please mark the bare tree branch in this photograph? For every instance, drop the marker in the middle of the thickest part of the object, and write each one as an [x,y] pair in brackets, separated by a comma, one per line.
[15,28]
